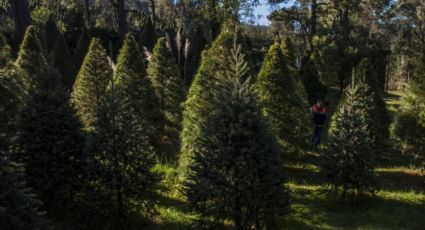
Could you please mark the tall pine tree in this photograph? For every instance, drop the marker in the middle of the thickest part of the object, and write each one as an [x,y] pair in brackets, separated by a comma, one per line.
[63,63]
[50,139]
[131,78]
[237,171]
[168,85]
[30,57]
[284,105]
[120,161]
[348,163]
[198,102]
[91,83]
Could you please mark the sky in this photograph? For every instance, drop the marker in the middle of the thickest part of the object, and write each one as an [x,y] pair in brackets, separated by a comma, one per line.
[263,10]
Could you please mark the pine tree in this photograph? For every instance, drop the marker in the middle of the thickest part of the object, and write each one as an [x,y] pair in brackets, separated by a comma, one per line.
[348,163]
[409,125]
[63,63]
[82,48]
[380,124]
[91,83]
[168,85]
[132,79]
[50,139]
[19,208]
[120,160]
[237,171]
[5,52]
[284,106]
[198,102]
[148,34]
[30,57]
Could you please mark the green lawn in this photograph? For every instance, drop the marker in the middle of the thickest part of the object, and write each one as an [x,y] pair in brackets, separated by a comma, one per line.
[398,203]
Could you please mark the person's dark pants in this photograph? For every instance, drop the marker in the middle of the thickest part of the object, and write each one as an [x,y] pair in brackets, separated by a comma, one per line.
[318,131]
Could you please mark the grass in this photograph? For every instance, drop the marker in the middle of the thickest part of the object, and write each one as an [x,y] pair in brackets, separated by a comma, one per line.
[398,203]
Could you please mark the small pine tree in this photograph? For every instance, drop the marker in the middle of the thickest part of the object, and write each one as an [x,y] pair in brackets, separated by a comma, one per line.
[168,85]
[30,57]
[380,123]
[91,83]
[19,208]
[5,52]
[62,62]
[148,35]
[409,125]
[82,48]
[131,78]
[236,172]
[120,161]
[198,102]
[284,105]
[348,162]
[50,139]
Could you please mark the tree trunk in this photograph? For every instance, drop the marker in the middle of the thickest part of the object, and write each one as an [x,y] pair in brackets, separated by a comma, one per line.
[88,13]
[153,9]
[21,14]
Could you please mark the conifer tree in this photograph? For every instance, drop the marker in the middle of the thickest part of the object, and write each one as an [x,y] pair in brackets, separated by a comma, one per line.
[50,139]
[198,102]
[82,48]
[30,57]
[120,161]
[236,172]
[91,83]
[409,125]
[148,35]
[63,63]
[284,105]
[168,85]
[19,208]
[380,123]
[5,52]
[131,78]
[348,163]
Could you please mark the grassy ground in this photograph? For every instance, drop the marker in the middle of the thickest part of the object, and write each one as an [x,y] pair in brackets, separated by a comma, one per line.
[398,203]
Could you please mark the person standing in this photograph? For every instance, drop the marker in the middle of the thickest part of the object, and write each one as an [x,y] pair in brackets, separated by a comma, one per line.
[320,115]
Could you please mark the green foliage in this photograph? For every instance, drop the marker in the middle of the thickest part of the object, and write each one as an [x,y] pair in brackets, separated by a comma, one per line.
[409,126]
[19,208]
[148,35]
[236,173]
[119,162]
[132,79]
[63,63]
[284,103]
[82,47]
[90,86]
[200,95]
[380,120]
[168,85]
[348,163]
[12,93]
[30,57]
[5,52]
[50,139]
